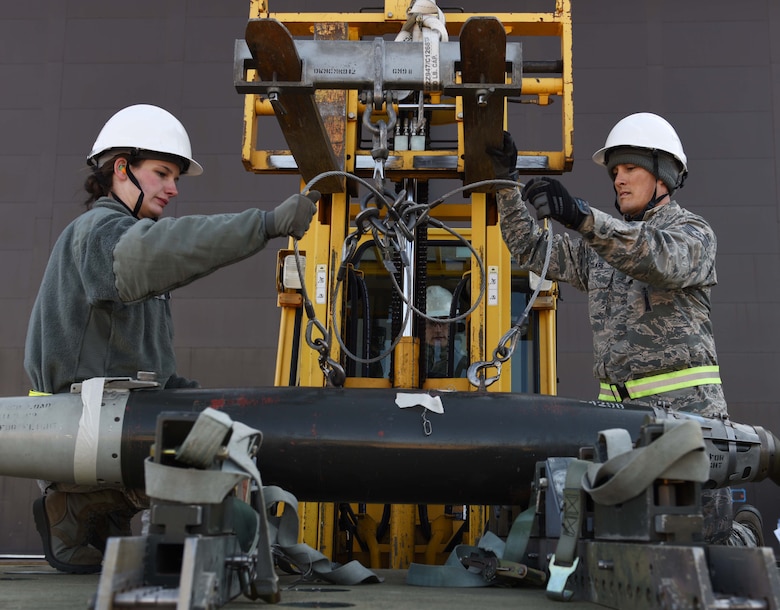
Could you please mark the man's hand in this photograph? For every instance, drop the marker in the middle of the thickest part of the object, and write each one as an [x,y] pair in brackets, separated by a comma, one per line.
[505,159]
[550,198]
[293,216]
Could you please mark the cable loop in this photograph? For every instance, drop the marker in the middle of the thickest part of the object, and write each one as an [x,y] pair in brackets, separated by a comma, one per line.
[391,234]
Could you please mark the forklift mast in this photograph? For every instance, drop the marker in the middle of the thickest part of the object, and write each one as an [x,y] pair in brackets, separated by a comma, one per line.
[403,279]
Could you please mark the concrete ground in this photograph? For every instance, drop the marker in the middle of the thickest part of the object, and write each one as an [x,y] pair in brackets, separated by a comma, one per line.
[33,585]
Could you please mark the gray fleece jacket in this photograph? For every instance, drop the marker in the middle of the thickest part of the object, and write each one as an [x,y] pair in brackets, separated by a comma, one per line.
[103,308]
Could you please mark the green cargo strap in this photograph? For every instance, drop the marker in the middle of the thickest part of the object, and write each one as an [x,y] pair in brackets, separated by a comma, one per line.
[313,565]
[565,561]
[519,533]
[454,574]
[36,393]
[679,453]
[658,384]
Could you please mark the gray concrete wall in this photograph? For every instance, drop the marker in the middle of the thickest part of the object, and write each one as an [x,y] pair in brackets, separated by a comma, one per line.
[712,67]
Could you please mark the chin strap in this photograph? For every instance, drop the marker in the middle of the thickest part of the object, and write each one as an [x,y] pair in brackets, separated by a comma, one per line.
[654,200]
[137,208]
[140,199]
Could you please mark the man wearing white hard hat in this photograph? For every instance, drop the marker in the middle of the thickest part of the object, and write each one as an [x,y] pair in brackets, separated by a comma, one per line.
[648,275]
[103,308]
[441,338]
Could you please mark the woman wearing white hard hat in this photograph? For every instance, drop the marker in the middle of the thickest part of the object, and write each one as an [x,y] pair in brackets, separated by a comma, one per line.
[103,308]
[133,135]
[648,274]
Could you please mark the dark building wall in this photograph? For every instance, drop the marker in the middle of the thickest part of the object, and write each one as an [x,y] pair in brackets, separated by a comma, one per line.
[712,67]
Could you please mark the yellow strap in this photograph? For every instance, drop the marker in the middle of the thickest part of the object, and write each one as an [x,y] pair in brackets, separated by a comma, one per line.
[34,393]
[665,382]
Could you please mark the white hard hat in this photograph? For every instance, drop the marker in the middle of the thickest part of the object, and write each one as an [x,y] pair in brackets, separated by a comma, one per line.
[145,127]
[644,130]
[438,301]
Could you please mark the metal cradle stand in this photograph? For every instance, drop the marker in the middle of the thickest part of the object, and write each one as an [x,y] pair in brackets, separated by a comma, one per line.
[646,552]
[205,545]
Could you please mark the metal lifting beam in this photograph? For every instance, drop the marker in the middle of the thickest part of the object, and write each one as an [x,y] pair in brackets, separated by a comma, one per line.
[376,65]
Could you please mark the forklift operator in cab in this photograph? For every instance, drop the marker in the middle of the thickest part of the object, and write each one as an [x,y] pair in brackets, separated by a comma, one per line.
[648,276]
[103,308]
[439,335]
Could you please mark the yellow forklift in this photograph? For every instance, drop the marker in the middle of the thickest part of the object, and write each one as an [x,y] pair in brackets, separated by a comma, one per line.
[402,295]
[403,279]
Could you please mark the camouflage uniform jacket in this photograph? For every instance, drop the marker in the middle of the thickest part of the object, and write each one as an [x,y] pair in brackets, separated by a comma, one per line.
[648,286]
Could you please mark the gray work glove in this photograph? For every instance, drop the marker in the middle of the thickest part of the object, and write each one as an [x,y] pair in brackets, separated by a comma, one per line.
[505,159]
[292,217]
[550,198]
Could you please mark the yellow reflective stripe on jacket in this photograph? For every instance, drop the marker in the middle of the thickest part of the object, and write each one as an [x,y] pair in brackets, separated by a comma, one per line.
[665,382]
[34,393]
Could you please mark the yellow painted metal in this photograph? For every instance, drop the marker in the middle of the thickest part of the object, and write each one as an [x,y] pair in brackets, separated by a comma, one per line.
[406,543]
[516,24]
[316,243]
[441,532]
[530,86]
[407,356]
[548,373]
[290,302]
[448,384]
[258,8]
[317,525]
[284,351]
[546,309]
[395,10]
[563,7]
[476,219]
[478,518]
[353,116]
[499,264]
[402,530]
[479,323]
[556,24]
[367,382]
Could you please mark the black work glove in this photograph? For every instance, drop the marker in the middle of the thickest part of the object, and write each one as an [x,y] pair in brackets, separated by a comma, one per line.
[504,159]
[175,381]
[550,198]
[293,216]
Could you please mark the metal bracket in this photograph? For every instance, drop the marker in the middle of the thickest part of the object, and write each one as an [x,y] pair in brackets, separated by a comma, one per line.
[144,380]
